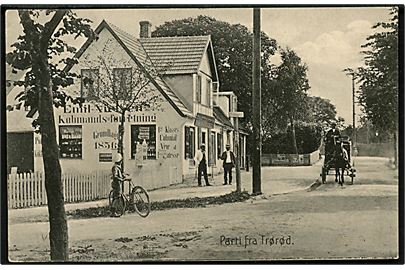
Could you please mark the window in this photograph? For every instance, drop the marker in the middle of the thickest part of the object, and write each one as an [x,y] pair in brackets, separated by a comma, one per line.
[139,133]
[122,79]
[203,138]
[208,92]
[189,143]
[70,141]
[90,83]
[219,145]
[198,88]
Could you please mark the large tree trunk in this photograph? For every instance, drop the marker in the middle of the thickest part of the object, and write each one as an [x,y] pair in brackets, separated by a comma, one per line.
[294,139]
[396,149]
[58,235]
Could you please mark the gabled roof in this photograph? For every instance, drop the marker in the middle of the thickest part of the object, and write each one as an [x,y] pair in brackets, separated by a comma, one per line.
[221,117]
[180,54]
[135,50]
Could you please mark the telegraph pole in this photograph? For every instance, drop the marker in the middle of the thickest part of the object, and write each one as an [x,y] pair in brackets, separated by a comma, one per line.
[257,140]
[237,150]
[350,71]
[236,115]
[354,117]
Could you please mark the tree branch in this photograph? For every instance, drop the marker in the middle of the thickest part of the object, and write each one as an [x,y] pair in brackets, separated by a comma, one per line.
[50,26]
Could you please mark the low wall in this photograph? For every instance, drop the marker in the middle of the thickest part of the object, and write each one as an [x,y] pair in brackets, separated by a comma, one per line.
[290,159]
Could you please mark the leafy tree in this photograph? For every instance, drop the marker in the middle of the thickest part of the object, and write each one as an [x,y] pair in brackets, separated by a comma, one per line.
[378,79]
[232,45]
[120,89]
[308,136]
[40,50]
[290,91]
[320,111]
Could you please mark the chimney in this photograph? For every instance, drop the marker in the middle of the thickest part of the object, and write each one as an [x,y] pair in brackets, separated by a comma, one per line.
[145,30]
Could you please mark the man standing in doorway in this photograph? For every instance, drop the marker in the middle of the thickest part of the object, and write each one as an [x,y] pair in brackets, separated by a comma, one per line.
[201,161]
[229,162]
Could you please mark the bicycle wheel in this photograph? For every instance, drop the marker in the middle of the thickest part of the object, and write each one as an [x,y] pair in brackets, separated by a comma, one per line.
[140,199]
[118,205]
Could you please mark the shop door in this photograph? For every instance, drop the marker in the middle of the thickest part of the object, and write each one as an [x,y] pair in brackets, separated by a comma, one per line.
[20,151]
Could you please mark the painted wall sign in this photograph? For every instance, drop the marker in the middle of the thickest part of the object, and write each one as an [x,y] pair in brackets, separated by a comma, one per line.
[105,118]
[105,139]
[168,137]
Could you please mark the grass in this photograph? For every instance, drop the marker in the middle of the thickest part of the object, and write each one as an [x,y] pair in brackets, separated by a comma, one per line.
[104,211]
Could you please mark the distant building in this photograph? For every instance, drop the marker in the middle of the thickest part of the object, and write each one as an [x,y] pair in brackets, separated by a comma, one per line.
[192,113]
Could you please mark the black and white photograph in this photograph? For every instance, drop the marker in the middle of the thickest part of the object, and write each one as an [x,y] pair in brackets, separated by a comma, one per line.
[150,134]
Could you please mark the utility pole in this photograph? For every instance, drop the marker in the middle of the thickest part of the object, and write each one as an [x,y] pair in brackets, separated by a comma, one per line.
[350,71]
[237,165]
[257,140]
[354,117]
[236,115]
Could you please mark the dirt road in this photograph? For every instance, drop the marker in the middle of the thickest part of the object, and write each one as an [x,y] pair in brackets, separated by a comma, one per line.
[358,221]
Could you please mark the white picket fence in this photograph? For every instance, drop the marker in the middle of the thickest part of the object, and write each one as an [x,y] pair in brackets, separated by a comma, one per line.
[28,189]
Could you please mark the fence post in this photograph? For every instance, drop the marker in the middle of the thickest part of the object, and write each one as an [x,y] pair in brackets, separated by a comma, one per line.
[10,191]
[76,186]
[63,186]
[24,189]
[36,189]
[70,187]
[30,191]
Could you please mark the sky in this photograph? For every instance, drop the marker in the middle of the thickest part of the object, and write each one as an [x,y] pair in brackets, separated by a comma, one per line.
[327,39]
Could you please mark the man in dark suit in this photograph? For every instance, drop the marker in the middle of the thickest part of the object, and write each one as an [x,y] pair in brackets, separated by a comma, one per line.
[201,161]
[229,162]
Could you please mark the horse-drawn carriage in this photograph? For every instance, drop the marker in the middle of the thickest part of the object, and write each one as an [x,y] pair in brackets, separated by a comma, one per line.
[338,157]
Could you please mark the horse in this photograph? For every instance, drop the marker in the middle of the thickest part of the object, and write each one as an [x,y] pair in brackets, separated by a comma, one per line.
[341,162]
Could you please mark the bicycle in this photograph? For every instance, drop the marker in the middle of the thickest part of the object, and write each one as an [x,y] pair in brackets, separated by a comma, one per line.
[137,198]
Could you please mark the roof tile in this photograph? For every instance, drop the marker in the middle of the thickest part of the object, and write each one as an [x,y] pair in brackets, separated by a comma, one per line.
[180,55]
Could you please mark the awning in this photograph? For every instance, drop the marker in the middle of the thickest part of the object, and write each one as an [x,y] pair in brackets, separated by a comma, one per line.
[204,121]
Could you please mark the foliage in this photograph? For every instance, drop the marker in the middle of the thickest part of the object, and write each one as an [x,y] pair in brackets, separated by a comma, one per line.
[378,90]
[291,84]
[320,111]
[284,88]
[119,92]
[288,96]
[232,44]
[308,138]
[58,54]
[41,52]
[287,100]
[120,84]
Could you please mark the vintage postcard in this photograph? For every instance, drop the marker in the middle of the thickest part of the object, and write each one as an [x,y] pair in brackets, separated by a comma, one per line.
[202,134]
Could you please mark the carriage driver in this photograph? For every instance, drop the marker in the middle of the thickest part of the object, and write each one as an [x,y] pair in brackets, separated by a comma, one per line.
[329,142]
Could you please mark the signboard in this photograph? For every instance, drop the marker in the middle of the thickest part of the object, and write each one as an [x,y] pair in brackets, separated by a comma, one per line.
[143,133]
[236,114]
